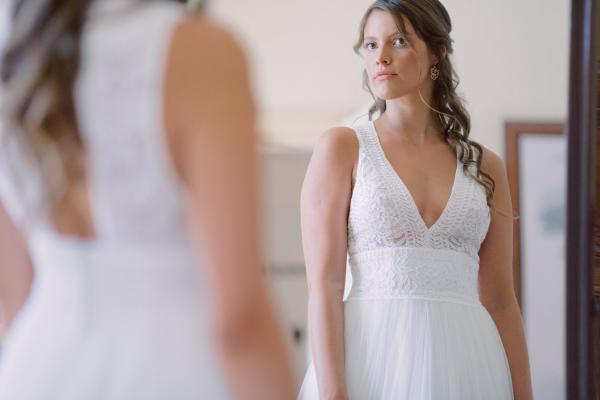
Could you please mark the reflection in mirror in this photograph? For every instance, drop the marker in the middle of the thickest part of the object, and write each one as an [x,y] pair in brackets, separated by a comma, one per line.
[308,79]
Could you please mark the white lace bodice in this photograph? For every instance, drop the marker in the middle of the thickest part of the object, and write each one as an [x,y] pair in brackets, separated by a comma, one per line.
[383,213]
[136,195]
[391,250]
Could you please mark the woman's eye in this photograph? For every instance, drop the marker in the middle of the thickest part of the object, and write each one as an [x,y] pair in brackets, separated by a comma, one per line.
[370,45]
[399,42]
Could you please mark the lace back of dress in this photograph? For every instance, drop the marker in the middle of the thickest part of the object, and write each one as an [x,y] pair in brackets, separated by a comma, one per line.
[135,194]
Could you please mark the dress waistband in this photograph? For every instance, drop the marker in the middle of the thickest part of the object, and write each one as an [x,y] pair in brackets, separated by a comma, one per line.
[425,273]
[110,271]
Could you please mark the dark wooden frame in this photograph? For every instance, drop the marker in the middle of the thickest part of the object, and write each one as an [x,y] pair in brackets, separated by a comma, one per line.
[596,322]
[580,198]
[513,131]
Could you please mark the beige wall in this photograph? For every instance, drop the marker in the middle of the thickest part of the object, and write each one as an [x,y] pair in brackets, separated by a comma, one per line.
[511,56]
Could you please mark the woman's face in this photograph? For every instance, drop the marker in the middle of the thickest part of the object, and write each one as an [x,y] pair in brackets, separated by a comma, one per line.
[394,67]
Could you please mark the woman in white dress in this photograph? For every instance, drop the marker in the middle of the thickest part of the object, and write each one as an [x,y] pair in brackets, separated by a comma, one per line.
[128,182]
[421,213]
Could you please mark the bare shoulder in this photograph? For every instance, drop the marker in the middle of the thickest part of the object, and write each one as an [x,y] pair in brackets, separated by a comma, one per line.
[203,37]
[330,171]
[339,144]
[207,77]
[204,53]
[492,164]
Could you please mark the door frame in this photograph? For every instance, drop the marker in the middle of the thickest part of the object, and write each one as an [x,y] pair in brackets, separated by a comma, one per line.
[581,151]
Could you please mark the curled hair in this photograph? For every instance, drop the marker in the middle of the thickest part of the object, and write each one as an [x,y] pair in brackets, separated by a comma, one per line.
[38,70]
[432,24]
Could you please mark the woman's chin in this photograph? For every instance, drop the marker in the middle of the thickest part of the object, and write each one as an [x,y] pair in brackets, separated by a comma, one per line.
[391,93]
[387,96]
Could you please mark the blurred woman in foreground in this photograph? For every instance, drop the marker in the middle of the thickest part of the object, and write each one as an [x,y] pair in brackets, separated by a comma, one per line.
[128,182]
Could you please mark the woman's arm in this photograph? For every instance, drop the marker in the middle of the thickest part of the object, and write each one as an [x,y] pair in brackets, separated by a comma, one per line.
[324,210]
[496,279]
[211,129]
[16,272]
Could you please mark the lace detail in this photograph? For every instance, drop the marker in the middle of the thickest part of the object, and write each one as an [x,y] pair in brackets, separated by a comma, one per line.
[391,251]
[383,214]
[420,273]
[136,195]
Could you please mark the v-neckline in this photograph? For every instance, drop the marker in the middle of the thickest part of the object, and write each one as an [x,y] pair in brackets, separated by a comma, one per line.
[391,171]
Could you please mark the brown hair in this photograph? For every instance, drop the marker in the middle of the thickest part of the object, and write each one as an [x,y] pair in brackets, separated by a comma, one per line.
[432,24]
[38,71]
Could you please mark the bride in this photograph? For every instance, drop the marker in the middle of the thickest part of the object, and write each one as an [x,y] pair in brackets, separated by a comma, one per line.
[128,186]
[419,210]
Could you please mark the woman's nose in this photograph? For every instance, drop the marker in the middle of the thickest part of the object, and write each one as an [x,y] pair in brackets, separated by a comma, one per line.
[383,59]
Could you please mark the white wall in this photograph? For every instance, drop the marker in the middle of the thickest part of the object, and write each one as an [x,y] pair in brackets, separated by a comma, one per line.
[283,172]
[302,57]
[511,56]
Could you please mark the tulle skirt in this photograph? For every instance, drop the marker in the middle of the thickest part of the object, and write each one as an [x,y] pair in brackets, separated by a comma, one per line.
[419,348]
[111,324]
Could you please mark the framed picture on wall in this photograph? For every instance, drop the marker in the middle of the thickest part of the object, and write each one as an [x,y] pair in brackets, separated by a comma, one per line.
[536,161]
[516,133]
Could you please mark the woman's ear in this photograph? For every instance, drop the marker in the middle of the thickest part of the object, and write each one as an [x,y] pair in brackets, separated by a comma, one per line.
[435,59]
[444,53]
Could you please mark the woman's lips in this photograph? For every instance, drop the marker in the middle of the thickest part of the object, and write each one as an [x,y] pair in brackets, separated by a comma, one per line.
[384,75]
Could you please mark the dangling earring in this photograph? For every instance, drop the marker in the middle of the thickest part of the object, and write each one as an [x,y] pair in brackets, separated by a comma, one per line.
[435,73]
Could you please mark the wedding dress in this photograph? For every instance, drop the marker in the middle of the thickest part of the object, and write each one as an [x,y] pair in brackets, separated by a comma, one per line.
[414,326]
[122,316]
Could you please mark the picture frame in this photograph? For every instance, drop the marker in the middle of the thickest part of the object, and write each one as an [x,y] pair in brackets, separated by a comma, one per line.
[536,158]
[514,132]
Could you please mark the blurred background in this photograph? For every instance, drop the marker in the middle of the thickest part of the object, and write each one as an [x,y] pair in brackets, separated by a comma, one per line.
[512,58]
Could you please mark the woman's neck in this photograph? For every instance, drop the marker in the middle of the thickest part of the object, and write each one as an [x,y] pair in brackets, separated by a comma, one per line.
[410,120]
